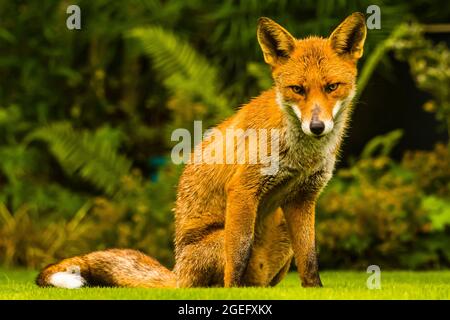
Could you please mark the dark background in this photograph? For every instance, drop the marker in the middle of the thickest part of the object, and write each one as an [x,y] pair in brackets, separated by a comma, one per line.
[86,117]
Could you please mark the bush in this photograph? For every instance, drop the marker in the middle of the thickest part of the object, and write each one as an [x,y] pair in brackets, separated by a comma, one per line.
[396,215]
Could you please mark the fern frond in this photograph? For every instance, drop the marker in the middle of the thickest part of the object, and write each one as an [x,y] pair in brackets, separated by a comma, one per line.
[86,154]
[184,70]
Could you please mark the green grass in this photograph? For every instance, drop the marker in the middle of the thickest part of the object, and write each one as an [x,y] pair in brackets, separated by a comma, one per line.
[19,284]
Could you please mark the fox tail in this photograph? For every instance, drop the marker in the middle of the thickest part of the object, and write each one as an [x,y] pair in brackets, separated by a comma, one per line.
[108,268]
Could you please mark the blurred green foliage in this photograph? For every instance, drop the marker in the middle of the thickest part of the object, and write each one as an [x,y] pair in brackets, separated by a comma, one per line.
[86,114]
[430,68]
[394,213]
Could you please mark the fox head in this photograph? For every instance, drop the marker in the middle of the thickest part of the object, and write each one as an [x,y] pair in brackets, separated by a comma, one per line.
[314,77]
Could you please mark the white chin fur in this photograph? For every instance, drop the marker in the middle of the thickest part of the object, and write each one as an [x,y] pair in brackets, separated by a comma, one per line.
[337,107]
[297,111]
[305,128]
[67,280]
[329,125]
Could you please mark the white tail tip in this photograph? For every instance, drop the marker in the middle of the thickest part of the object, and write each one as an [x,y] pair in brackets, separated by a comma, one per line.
[67,280]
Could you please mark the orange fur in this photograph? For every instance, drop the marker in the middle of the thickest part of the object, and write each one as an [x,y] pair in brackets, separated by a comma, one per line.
[235,226]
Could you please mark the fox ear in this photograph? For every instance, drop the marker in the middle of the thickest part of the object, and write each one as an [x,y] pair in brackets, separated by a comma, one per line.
[276,42]
[348,38]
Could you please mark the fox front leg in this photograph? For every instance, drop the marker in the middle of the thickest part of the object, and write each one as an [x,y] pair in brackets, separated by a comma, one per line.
[239,235]
[300,217]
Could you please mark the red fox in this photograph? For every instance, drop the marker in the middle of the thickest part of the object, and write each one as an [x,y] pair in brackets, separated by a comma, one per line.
[235,226]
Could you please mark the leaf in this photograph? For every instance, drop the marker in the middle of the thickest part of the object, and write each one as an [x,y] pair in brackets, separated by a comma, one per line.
[86,154]
[183,70]
[383,143]
[438,211]
[376,56]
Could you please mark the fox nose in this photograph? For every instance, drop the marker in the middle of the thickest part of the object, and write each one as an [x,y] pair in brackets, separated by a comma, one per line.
[317,127]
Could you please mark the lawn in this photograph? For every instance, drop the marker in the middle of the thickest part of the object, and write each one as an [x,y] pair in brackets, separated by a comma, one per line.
[19,284]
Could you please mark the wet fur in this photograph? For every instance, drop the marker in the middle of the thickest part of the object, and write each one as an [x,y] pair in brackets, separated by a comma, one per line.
[233,225]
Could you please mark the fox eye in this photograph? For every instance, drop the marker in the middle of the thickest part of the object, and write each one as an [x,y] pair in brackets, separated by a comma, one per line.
[331,87]
[298,90]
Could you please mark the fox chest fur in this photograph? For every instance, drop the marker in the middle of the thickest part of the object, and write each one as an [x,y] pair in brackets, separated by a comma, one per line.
[305,166]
